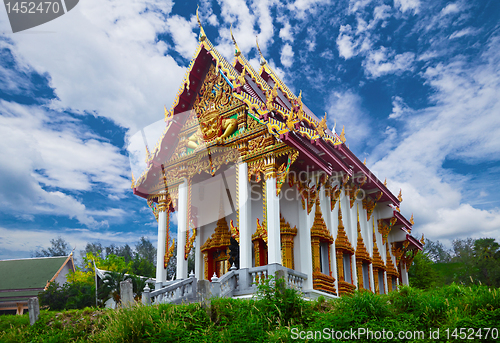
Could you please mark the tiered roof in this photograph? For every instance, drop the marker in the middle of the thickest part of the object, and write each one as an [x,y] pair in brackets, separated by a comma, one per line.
[275,106]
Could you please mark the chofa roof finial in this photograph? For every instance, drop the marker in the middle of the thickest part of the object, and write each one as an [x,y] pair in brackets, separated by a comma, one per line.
[237,50]
[202,32]
[262,59]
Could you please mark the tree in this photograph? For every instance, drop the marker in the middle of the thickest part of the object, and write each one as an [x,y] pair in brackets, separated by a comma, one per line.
[59,248]
[126,252]
[436,251]
[487,260]
[94,248]
[144,249]
[421,273]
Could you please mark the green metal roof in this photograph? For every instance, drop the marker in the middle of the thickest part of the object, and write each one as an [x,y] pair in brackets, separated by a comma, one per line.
[27,274]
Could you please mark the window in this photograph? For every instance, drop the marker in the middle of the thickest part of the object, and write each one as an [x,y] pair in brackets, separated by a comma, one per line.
[381,284]
[394,283]
[366,275]
[323,253]
[347,268]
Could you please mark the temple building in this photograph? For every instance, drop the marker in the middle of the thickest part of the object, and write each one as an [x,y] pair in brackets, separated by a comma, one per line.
[259,184]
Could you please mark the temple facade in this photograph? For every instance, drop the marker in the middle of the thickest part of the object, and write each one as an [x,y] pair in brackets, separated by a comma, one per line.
[259,183]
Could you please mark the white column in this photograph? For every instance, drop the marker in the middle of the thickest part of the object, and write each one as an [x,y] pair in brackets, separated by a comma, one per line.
[181,230]
[304,239]
[161,272]
[273,222]
[404,275]
[244,204]
[198,258]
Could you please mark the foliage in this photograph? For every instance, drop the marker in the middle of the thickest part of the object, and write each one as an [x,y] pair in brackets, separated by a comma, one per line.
[69,296]
[59,248]
[469,261]
[266,319]
[422,274]
[436,251]
[279,302]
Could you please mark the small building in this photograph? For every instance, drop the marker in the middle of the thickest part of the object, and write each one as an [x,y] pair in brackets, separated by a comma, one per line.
[25,278]
[259,181]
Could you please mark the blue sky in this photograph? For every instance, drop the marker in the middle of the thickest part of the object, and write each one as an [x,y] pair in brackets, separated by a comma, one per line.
[415,83]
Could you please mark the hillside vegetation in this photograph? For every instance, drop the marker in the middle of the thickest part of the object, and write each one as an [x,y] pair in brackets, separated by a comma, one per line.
[279,315]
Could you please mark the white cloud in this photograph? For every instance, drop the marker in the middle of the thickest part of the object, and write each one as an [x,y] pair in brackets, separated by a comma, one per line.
[345,108]
[18,243]
[383,61]
[93,59]
[464,32]
[407,5]
[286,33]
[345,42]
[182,33]
[399,108]
[287,55]
[450,9]
[301,7]
[462,125]
[44,153]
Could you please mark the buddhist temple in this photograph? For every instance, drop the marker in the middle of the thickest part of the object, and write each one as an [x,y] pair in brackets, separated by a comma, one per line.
[260,184]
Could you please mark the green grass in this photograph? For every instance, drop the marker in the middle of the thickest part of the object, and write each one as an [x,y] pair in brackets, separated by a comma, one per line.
[270,319]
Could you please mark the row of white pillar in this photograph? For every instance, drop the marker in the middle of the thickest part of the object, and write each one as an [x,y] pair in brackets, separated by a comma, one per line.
[245,228]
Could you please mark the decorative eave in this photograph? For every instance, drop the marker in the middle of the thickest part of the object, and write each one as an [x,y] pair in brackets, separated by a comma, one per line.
[377,259]
[342,241]
[285,228]
[361,252]
[319,229]
[358,166]
[391,270]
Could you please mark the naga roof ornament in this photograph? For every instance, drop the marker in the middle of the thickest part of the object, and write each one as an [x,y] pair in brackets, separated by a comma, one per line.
[262,59]
[237,50]
[203,36]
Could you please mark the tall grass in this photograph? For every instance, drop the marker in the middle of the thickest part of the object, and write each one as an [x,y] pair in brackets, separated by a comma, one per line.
[269,318]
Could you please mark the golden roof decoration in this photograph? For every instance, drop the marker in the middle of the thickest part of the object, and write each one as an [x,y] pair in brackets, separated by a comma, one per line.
[391,270]
[319,228]
[261,231]
[133,181]
[342,241]
[422,240]
[377,259]
[262,59]
[342,135]
[221,238]
[237,50]
[203,36]
[364,162]
[285,228]
[400,195]
[385,182]
[412,222]
[361,252]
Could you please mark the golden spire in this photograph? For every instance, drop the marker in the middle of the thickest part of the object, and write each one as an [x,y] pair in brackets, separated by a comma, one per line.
[262,59]
[342,135]
[412,222]
[168,115]
[237,50]
[359,226]
[400,196]
[202,32]
[148,155]
[133,181]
